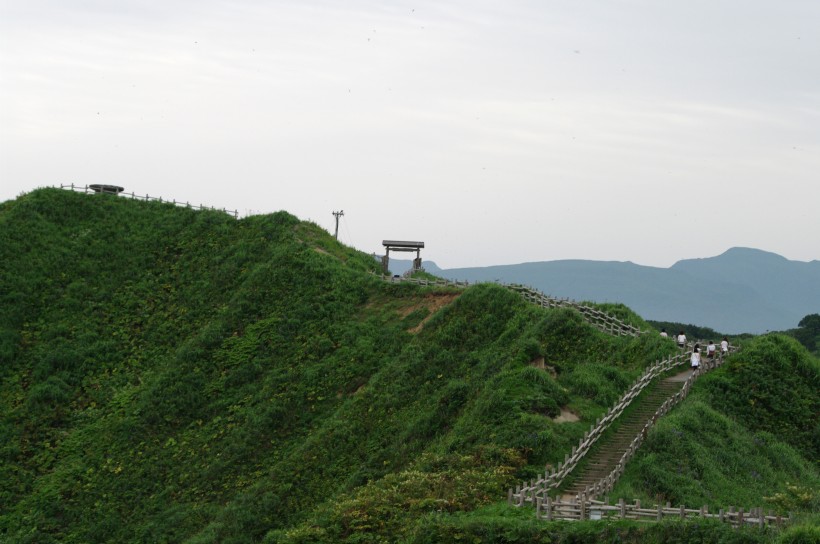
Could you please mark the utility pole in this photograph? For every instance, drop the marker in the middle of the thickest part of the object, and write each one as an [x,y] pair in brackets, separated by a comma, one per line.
[337,215]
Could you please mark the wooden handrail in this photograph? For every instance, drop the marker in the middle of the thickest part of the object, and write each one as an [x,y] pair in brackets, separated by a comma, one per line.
[88,189]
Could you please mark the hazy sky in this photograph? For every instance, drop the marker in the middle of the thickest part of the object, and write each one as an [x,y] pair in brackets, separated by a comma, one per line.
[495,132]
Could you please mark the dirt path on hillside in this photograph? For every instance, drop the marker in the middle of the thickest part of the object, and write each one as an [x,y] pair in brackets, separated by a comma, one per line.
[432,302]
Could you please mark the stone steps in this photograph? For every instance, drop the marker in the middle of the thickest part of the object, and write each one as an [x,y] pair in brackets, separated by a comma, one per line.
[603,460]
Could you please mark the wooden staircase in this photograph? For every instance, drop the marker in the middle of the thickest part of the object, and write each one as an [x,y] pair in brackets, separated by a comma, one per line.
[610,449]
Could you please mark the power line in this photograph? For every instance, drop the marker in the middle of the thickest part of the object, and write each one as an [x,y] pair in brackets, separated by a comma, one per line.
[349,237]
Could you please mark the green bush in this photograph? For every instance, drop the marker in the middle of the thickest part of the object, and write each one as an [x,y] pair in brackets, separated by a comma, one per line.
[772,386]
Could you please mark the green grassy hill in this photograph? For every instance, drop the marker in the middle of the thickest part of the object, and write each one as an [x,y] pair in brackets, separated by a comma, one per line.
[169,375]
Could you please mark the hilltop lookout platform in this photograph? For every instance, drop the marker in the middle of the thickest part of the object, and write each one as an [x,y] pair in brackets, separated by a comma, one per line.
[102,188]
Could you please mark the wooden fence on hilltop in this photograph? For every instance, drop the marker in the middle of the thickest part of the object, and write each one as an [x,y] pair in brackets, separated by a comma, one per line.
[87,189]
[601,320]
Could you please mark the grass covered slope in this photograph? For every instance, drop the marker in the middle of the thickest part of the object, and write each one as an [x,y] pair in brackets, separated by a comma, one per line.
[171,375]
[177,376]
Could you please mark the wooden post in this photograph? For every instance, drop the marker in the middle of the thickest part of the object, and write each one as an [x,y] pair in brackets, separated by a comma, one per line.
[660,512]
[761,521]
[509,496]
[537,507]
[549,508]
[721,516]
[682,512]
[740,517]
[622,507]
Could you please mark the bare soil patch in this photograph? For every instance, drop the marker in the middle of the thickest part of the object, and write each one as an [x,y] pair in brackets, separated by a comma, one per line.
[432,302]
[566,416]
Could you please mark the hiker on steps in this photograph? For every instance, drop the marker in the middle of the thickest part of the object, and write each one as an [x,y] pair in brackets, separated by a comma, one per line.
[681,340]
[711,350]
[724,347]
[663,333]
[695,358]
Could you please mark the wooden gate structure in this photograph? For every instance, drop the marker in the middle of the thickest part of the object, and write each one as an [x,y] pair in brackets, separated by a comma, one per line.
[401,245]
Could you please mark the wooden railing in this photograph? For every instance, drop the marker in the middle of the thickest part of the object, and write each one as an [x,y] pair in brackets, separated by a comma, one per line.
[88,189]
[605,484]
[601,320]
[585,506]
[553,477]
[557,509]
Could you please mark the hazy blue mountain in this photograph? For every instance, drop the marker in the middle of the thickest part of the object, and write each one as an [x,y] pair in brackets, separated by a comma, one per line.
[742,290]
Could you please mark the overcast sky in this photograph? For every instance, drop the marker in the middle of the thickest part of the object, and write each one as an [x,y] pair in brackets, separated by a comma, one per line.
[495,132]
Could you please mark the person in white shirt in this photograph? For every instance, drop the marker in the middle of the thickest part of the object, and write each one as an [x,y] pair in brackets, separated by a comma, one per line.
[724,347]
[663,333]
[710,350]
[681,340]
[696,357]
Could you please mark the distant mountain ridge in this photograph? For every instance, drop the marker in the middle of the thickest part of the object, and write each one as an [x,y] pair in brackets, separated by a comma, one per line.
[741,290]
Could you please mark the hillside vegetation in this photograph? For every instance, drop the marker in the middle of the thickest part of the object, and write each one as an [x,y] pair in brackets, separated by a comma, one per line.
[177,376]
[747,429]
